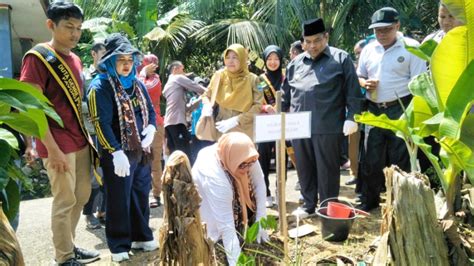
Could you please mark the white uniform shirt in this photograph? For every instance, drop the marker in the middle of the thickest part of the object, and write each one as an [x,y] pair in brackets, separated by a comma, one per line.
[217,195]
[394,68]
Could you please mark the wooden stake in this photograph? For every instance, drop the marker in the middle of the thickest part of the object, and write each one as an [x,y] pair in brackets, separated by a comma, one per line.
[281,176]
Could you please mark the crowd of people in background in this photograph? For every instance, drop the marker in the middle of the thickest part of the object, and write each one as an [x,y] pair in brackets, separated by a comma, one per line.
[106,161]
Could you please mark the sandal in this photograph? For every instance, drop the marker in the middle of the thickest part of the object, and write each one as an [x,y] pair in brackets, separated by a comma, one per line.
[156,202]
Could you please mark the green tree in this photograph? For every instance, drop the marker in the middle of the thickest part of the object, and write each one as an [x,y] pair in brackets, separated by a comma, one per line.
[347,20]
[170,35]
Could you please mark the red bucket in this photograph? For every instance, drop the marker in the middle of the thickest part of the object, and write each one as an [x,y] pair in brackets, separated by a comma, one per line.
[338,210]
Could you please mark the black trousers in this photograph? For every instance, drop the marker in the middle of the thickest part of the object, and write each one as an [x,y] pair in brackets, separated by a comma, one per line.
[384,148]
[265,157]
[425,164]
[128,212]
[177,138]
[90,204]
[266,151]
[317,161]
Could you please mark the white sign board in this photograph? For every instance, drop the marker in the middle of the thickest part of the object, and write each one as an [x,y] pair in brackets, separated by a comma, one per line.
[268,127]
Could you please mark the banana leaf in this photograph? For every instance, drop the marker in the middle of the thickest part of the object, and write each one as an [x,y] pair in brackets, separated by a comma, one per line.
[426,149]
[382,121]
[467,131]
[458,104]
[423,51]
[458,154]
[449,61]
[422,86]
[421,119]
[462,94]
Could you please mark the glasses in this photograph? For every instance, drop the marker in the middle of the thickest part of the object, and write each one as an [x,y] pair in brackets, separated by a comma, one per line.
[245,165]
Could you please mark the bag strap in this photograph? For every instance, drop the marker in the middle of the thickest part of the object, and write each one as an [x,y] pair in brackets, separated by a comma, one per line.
[215,87]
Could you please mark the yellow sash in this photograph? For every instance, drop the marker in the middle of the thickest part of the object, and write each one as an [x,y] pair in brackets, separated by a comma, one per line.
[269,93]
[67,81]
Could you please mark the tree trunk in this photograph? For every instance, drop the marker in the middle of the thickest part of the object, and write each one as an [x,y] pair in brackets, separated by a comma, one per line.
[183,239]
[10,251]
[410,227]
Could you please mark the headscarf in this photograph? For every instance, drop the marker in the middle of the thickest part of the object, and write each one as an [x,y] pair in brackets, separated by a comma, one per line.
[147,60]
[235,90]
[150,59]
[109,67]
[233,149]
[275,77]
[117,44]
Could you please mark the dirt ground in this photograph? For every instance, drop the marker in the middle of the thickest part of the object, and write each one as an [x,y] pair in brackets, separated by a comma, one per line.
[35,236]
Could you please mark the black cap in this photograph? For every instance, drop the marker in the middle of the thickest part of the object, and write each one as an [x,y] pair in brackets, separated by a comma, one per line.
[116,44]
[384,17]
[313,26]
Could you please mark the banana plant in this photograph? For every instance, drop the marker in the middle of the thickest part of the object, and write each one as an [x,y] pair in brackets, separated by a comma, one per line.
[25,109]
[442,103]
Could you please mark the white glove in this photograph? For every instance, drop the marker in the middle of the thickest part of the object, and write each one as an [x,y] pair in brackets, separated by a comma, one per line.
[149,133]
[228,124]
[349,128]
[206,110]
[121,163]
[262,236]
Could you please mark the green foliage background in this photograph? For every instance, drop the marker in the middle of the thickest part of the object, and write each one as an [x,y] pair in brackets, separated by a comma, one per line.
[226,21]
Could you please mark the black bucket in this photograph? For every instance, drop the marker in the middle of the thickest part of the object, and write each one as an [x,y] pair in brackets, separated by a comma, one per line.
[335,229]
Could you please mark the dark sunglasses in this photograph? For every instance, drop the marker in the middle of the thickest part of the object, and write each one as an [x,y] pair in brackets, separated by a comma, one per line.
[245,165]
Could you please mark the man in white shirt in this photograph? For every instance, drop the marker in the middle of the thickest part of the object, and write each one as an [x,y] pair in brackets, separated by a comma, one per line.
[385,69]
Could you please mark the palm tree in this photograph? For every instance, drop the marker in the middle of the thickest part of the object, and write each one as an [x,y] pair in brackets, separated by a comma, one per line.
[104,8]
[170,35]
[263,22]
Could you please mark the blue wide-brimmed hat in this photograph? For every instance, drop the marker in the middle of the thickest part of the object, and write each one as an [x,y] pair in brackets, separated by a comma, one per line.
[117,44]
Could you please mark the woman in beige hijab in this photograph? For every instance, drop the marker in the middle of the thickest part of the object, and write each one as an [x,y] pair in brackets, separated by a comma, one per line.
[230,182]
[238,98]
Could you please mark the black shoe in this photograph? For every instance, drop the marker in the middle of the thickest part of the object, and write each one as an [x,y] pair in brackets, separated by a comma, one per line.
[351,181]
[92,222]
[101,219]
[86,256]
[71,262]
[367,206]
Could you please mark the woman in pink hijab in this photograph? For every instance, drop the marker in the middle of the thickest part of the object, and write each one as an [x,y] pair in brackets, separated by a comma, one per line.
[230,182]
[152,82]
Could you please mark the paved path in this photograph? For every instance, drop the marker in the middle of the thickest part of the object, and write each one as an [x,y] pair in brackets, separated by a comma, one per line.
[35,235]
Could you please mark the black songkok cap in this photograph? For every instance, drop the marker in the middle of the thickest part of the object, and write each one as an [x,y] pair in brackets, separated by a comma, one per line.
[313,26]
